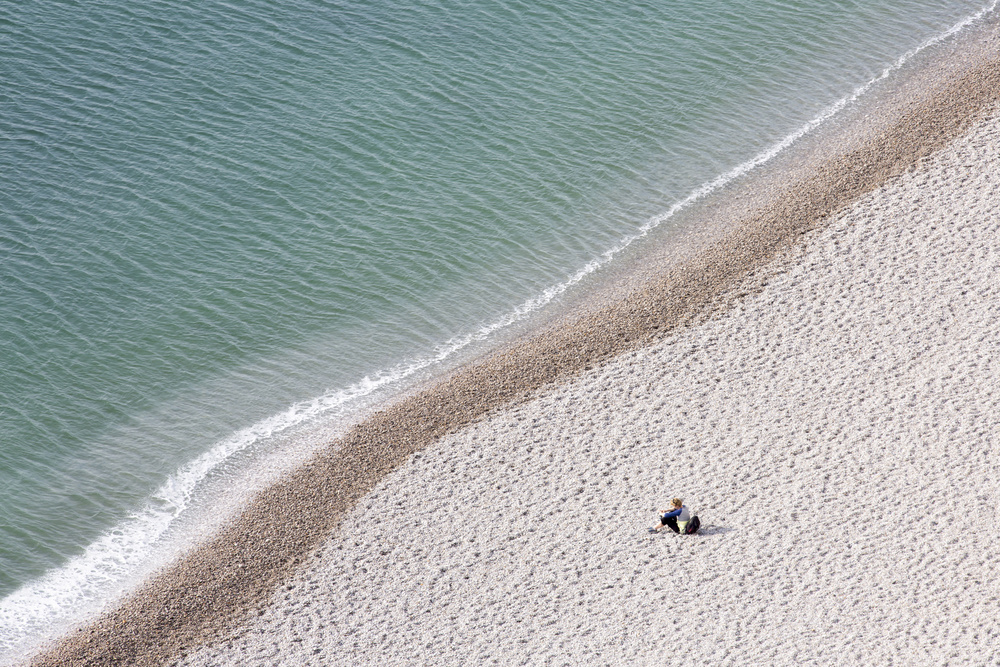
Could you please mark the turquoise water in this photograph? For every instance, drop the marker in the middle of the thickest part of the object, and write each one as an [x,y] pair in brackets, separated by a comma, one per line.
[221,222]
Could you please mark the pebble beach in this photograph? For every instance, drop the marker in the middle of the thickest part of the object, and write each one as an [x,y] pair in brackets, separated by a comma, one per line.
[837,434]
[821,387]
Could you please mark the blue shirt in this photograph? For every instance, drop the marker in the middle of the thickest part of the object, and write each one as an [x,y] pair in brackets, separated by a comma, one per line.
[681,512]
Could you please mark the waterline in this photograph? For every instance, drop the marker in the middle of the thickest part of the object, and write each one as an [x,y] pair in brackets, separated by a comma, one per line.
[59,596]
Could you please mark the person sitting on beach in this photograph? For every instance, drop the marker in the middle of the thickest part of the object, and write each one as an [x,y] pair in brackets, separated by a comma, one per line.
[676,518]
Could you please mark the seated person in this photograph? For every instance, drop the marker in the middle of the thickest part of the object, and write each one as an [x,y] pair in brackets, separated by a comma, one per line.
[675,518]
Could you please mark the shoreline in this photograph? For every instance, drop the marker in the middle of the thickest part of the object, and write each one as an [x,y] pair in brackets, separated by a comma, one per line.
[835,431]
[219,584]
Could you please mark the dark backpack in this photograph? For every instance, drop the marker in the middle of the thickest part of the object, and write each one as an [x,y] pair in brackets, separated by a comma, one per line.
[693,525]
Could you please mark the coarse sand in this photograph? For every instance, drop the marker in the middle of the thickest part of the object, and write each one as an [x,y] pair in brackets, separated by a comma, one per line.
[838,433]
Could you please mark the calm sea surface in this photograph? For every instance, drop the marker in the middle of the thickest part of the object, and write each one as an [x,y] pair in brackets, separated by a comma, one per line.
[224,222]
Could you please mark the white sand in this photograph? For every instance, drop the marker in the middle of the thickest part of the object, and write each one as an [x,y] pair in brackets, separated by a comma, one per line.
[838,432]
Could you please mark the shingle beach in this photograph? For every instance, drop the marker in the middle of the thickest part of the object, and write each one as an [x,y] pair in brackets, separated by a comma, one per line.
[821,385]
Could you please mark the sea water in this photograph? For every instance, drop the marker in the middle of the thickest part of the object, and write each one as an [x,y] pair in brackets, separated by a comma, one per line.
[226,227]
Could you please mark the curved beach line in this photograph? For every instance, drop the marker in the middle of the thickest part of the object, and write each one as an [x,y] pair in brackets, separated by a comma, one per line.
[235,571]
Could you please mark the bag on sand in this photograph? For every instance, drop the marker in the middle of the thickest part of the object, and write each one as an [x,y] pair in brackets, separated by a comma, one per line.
[693,525]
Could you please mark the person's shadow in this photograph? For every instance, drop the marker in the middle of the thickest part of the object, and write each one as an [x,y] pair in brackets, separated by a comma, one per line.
[708,529]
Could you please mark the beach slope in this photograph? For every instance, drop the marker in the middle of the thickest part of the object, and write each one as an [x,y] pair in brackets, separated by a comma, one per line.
[820,385]
[837,433]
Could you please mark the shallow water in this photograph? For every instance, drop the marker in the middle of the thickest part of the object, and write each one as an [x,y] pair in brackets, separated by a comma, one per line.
[221,222]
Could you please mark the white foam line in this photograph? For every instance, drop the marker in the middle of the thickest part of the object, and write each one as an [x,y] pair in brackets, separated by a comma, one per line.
[69,593]
[551,293]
